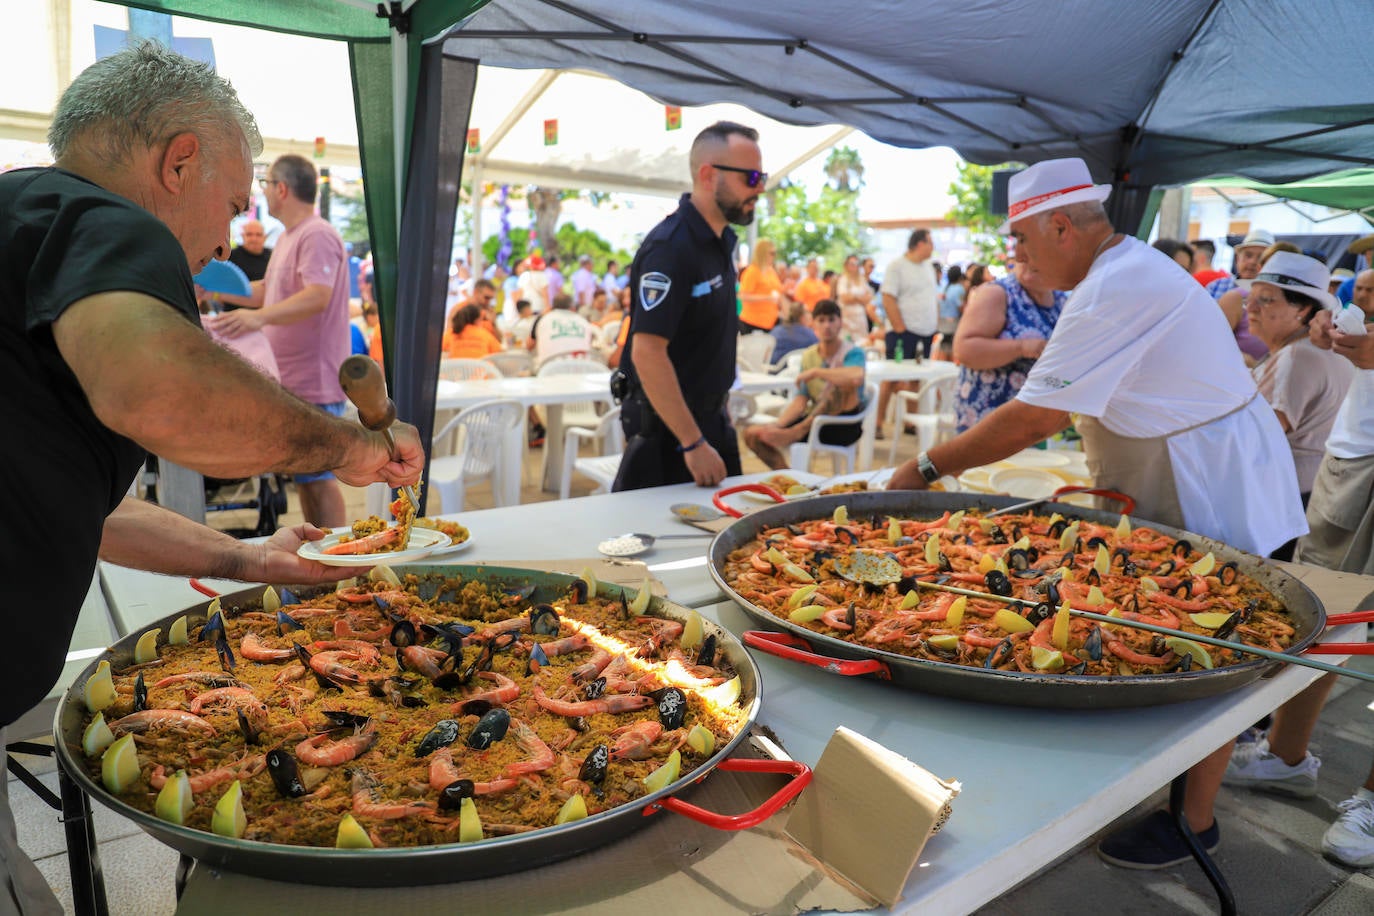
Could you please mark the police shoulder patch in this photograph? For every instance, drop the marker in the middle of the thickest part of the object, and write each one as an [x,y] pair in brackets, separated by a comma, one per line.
[653,289]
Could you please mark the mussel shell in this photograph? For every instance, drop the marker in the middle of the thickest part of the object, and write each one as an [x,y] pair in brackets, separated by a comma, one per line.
[997,582]
[286,623]
[1131,603]
[451,796]
[342,718]
[1080,668]
[1182,548]
[1042,611]
[1093,577]
[1000,653]
[1244,614]
[287,597]
[577,723]
[904,541]
[998,536]
[281,766]
[491,728]
[672,707]
[945,565]
[1067,559]
[213,628]
[1184,589]
[476,708]
[795,529]
[849,615]
[452,634]
[1157,646]
[1093,644]
[1058,528]
[906,584]
[1228,573]
[624,606]
[403,634]
[544,620]
[1227,627]
[1096,542]
[227,661]
[523,592]
[1017,559]
[578,591]
[140,693]
[845,535]
[247,729]
[538,659]
[594,689]
[1165,568]
[1052,593]
[706,655]
[594,766]
[444,733]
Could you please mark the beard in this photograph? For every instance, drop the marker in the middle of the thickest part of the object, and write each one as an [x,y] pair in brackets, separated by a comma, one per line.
[739,212]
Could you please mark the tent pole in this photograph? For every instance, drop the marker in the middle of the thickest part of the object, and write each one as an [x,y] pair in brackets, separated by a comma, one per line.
[399,90]
[476,254]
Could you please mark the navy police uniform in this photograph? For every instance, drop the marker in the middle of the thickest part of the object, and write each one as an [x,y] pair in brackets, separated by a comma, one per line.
[683,282]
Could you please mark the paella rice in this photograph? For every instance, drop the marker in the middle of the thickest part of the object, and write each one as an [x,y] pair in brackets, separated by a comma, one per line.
[396,702]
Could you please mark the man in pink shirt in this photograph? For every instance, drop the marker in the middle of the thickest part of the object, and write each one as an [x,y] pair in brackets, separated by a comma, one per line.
[302,307]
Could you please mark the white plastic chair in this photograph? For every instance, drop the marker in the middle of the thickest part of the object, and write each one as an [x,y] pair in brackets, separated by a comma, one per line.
[930,411]
[488,448]
[741,407]
[603,467]
[511,363]
[752,351]
[609,332]
[790,364]
[580,413]
[462,370]
[843,458]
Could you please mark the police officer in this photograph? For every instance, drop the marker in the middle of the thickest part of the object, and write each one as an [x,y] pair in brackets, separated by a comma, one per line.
[679,358]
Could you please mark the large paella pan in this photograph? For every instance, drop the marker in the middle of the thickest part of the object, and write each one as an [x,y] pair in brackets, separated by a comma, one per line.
[276,752]
[1049,687]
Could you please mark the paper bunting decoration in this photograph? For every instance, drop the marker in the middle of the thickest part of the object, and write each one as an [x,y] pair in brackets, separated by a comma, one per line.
[551,132]
[474,140]
[672,117]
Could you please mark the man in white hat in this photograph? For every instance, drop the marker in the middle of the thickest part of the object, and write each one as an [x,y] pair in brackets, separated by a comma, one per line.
[1168,412]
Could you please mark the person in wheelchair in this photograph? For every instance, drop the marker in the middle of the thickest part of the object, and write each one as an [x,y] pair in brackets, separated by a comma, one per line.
[831,382]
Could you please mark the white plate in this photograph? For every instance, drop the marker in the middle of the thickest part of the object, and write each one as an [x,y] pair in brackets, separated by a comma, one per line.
[443,551]
[762,498]
[976,479]
[1028,483]
[1078,463]
[1039,458]
[423,542]
[876,480]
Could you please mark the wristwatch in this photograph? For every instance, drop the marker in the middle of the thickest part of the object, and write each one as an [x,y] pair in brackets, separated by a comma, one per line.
[927,467]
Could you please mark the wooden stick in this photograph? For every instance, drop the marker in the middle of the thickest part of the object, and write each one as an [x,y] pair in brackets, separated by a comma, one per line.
[1167,631]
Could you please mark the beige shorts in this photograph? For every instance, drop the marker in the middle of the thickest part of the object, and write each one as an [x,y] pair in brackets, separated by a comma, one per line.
[1340,515]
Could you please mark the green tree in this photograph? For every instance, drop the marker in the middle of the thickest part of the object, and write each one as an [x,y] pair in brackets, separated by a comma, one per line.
[972,193]
[844,167]
[827,227]
[348,211]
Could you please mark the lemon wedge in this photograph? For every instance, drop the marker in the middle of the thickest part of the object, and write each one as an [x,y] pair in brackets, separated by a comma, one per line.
[1182,646]
[664,775]
[229,818]
[1103,561]
[840,516]
[470,822]
[589,577]
[692,632]
[1204,566]
[701,740]
[176,633]
[955,615]
[1059,636]
[100,690]
[932,549]
[910,600]
[271,602]
[1023,544]
[986,563]
[640,604]
[351,834]
[806,613]
[386,574]
[174,802]
[946,641]
[955,520]
[797,489]
[775,556]
[146,649]
[800,595]
[726,694]
[574,809]
[1012,622]
[1043,659]
[793,571]
[1066,540]
[1210,620]
[1095,595]
[119,765]
[1123,528]
[1148,585]
[97,736]
[894,530]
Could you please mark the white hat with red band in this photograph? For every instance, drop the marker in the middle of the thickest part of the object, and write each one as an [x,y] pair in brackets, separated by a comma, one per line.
[1049,184]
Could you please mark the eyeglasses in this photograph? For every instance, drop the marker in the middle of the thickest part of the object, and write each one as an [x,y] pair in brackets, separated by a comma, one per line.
[752,177]
[1262,301]
[266,183]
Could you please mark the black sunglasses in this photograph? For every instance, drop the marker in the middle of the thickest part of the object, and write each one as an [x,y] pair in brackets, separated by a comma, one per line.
[752,177]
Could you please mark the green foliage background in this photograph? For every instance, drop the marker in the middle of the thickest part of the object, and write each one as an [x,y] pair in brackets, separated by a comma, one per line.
[972,193]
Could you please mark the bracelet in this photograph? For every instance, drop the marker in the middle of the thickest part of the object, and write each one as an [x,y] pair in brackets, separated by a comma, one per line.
[684,449]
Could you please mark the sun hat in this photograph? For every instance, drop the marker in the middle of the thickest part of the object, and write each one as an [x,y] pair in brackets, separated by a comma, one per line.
[1361,245]
[1257,238]
[1296,272]
[1049,184]
[1341,274]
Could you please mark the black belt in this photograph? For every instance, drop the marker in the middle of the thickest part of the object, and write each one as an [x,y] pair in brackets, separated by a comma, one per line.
[699,409]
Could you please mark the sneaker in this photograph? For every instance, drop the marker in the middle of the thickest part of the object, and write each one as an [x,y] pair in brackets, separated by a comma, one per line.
[1252,766]
[1153,843]
[1350,839]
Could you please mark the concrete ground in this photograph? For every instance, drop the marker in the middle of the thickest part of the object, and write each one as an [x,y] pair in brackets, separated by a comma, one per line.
[1270,850]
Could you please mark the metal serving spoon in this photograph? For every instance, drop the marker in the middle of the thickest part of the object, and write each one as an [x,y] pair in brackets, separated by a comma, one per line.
[646,541]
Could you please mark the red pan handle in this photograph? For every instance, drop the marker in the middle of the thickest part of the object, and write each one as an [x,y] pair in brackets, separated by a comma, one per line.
[1127,504]
[1336,620]
[204,589]
[744,488]
[796,649]
[1340,648]
[801,777]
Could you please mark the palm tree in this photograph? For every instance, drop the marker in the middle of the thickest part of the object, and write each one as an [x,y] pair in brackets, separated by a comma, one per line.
[844,167]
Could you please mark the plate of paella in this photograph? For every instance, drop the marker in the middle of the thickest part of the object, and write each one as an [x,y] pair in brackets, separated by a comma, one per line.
[344,547]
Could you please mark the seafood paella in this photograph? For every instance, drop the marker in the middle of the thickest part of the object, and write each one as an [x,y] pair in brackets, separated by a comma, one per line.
[408,712]
[1025,575]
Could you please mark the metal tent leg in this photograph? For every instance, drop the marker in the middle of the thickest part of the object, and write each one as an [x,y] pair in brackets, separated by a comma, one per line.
[1204,861]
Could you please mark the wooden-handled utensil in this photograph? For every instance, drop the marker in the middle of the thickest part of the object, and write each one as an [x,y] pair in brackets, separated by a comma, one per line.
[362,381]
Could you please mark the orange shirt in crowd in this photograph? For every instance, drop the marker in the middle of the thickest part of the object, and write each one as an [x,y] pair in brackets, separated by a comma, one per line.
[761,313]
[810,291]
[474,343]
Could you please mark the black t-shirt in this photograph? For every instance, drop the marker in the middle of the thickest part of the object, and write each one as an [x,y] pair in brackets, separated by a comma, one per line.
[61,239]
[683,278]
[254,265]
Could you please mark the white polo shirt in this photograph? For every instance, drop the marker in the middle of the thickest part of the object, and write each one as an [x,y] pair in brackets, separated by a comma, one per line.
[913,286]
[1142,347]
